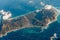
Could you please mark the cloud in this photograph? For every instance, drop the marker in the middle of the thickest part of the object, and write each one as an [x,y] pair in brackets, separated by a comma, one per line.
[6,15]
[42,3]
[48,7]
[54,36]
[31,1]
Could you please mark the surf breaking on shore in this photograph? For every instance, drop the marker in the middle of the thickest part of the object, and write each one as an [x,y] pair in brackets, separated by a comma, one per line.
[39,18]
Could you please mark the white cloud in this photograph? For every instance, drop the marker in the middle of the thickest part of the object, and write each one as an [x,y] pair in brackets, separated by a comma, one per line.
[37,11]
[6,15]
[48,7]
[31,1]
[42,3]
[54,36]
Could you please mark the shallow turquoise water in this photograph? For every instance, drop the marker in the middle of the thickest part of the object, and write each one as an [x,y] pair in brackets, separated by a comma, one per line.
[58,19]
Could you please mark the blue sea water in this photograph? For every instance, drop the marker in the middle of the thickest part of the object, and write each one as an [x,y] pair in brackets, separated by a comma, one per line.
[21,7]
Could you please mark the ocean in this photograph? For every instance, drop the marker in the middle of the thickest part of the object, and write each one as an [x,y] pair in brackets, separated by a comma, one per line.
[21,7]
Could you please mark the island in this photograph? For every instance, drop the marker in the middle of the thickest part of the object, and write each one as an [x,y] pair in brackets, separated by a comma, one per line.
[38,18]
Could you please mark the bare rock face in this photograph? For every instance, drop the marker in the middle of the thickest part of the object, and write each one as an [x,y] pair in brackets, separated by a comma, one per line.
[41,18]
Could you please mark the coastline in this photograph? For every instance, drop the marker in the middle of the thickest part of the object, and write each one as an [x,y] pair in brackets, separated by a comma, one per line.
[28,25]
